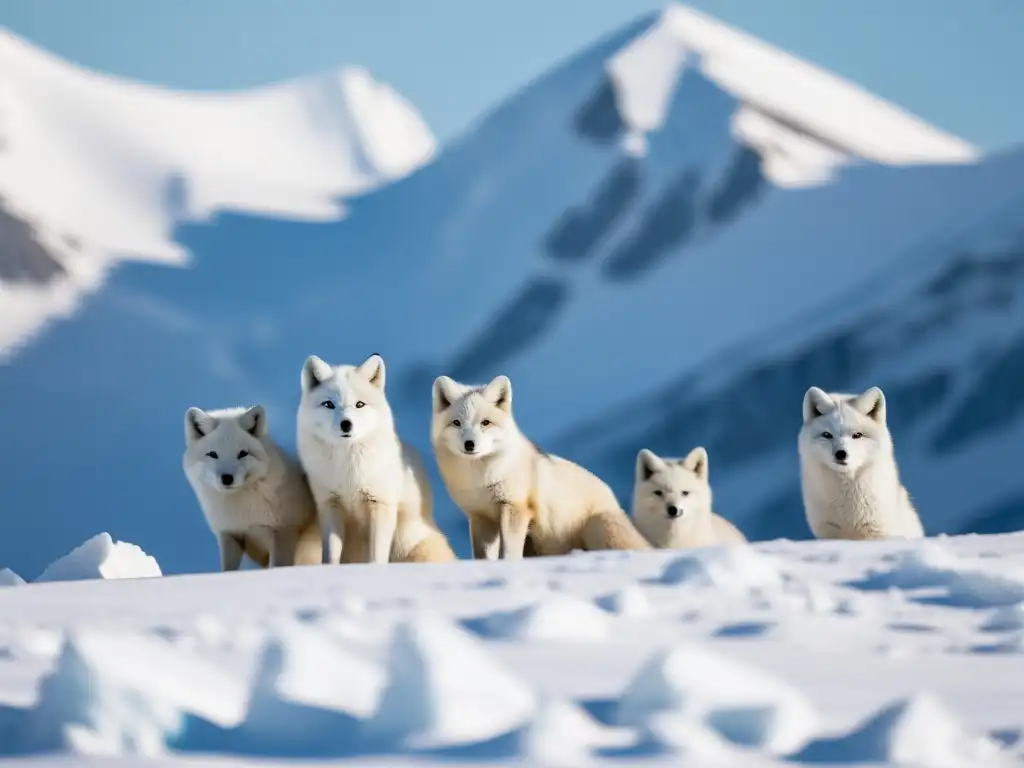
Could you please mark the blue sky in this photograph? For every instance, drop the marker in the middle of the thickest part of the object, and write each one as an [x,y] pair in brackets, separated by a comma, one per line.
[954,62]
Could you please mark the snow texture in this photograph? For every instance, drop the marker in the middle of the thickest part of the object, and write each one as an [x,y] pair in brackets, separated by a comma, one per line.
[371,665]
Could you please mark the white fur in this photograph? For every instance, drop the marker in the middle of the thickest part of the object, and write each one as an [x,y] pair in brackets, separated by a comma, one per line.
[862,497]
[508,489]
[371,489]
[672,502]
[266,507]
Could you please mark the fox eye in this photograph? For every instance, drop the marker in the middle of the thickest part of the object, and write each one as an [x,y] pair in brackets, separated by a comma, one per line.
[242,454]
[658,493]
[485,423]
[827,435]
[212,454]
[686,493]
[360,403]
[329,405]
[456,423]
[857,435]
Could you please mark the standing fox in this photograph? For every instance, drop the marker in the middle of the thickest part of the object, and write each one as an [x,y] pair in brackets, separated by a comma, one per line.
[254,496]
[672,503]
[509,489]
[848,474]
[372,494]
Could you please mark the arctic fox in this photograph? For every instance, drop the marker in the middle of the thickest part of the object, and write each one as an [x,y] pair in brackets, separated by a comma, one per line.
[254,496]
[509,489]
[672,503]
[372,493]
[848,474]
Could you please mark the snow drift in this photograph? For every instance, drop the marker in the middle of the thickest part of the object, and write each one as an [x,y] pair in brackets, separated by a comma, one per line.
[663,242]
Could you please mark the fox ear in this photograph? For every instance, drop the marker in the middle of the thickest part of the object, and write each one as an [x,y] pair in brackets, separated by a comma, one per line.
[499,392]
[254,421]
[444,393]
[871,403]
[817,403]
[198,424]
[648,464]
[697,462]
[314,373]
[373,369]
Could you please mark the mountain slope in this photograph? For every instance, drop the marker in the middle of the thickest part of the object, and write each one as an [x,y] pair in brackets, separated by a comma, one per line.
[111,166]
[599,260]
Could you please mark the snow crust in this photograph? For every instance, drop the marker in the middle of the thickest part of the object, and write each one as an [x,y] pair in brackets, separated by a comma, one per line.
[395,666]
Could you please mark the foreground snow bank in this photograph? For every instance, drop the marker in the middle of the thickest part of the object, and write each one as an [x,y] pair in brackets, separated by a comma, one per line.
[778,654]
[102,558]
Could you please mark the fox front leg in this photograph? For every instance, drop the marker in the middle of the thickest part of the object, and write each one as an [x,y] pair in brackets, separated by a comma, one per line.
[514,523]
[383,524]
[282,547]
[330,542]
[485,536]
[230,552]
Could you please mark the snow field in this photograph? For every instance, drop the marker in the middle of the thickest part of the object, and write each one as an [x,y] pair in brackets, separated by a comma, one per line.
[756,655]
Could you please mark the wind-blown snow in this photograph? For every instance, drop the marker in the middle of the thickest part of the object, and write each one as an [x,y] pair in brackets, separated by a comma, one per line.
[391,666]
[105,168]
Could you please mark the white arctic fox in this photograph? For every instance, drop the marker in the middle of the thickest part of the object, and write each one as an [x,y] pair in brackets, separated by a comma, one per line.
[254,496]
[672,502]
[371,489]
[509,489]
[848,474]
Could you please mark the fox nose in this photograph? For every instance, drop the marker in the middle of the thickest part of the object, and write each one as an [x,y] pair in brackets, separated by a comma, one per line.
[469,445]
[227,480]
[673,511]
[840,456]
[346,426]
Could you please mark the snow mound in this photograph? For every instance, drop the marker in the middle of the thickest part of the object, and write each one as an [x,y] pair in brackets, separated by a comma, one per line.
[445,689]
[918,731]
[732,569]
[963,583]
[102,558]
[555,617]
[114,693]
[689,739]
[310,693]
[306,665]
[745,705]
[628,601]
[562,733]
[9,578]
[1007,619]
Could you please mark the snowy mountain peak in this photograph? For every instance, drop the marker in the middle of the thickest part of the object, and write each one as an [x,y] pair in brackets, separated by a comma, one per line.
[113,166]
[802,120]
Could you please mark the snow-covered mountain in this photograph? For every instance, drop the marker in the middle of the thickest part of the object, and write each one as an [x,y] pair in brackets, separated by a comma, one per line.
[95,169]
[663,241]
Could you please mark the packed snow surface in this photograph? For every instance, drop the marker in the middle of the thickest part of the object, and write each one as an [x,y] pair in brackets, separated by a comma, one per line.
[813,653]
